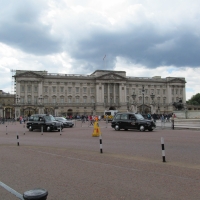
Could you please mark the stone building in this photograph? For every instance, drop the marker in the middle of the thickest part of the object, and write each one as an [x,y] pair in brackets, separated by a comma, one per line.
[6,105]
[71,94]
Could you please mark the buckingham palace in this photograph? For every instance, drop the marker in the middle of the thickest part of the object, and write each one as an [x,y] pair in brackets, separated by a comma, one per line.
[72,94]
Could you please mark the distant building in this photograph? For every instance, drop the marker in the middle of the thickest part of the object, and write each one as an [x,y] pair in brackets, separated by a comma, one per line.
[71,94]
[6,105]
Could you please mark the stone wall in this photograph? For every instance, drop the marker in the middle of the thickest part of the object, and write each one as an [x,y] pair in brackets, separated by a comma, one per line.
[187,114]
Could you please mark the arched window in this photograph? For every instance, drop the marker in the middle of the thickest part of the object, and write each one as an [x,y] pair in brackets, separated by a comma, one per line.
[92,100]
[46,99]
[54,99]
[77,99]
[69,99]
[62,99]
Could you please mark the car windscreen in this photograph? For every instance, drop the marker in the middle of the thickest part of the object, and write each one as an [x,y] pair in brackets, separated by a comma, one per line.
[49,118]
[139,116]
[107,113]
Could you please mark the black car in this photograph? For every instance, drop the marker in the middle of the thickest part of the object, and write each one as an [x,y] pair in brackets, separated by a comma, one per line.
[45,121]
[66,123]
[132,121]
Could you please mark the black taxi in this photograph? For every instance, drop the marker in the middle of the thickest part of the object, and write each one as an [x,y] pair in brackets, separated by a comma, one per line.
[132,121]
[45,121]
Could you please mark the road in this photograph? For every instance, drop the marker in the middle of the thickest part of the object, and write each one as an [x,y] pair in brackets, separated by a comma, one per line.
[70,166]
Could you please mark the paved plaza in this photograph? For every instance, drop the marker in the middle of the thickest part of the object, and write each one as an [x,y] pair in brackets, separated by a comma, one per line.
[69,164]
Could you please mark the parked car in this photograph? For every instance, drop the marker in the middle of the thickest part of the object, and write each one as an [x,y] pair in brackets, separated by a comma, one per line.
[48,122]
[66,122]
[132,121]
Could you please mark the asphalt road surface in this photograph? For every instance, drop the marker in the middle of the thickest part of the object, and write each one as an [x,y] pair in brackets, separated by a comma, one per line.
[70,166]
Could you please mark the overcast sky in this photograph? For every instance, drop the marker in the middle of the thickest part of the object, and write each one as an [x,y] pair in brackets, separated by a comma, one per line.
[143,37]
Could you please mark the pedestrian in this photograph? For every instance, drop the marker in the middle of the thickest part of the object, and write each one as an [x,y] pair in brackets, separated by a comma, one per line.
[20,119]
[162,118]
[91,120]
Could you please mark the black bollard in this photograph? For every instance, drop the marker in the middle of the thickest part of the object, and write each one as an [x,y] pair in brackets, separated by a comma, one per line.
[35,194]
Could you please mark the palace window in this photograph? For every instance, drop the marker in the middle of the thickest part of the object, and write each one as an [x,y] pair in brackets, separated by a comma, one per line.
[22,88]
[22,99]
[61,89]
[54,89]
[29,88]
[35,88]
[69,99]
[69,89]
[84,90]
[77,89]
[163,92]
[45,89]
[92,100]
[61,99]
[54,99]
[92,90]
[84,99]
[77,99]
[46,99]
[29,99]
[35,100]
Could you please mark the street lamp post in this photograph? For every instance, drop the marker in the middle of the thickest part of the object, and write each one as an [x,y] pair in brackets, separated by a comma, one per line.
[152,97]
[142,99]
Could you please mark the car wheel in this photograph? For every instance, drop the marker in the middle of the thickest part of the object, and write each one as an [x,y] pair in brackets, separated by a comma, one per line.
[142,128]
[48,128]
[117,127]
[30,128]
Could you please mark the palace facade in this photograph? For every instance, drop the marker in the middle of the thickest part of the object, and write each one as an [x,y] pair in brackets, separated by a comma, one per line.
[72,94]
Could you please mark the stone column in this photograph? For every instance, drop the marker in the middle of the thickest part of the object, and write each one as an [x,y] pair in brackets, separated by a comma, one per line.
[25,93]
[169,94]
[18,90]
[1,112]
[102,92]
[184,95]
[122,93]
[17,112]
[98,95]
[108,93]
[40,89]
[114,95]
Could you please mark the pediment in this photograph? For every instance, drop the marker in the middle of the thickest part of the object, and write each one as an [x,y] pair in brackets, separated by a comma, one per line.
[29,74]
[111,76]
[177,80]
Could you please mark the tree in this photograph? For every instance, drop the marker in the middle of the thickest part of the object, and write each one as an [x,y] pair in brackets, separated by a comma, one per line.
[195,100]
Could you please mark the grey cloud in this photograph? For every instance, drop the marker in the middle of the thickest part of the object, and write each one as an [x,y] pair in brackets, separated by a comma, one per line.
[21,28]
[140,45]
